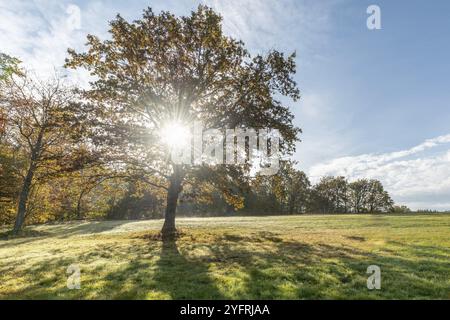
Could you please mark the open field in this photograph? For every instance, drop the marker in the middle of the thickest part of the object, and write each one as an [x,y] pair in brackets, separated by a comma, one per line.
[279,257]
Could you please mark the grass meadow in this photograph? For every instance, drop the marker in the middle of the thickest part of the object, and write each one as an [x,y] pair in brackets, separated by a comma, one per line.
[275,257]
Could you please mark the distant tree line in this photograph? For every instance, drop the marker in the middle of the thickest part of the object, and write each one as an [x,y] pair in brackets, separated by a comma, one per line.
[291,192]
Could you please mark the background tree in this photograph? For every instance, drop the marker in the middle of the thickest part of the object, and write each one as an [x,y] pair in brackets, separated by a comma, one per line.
[330,195]
[9,178]
[286,192]
[292,189]
[359,192]
[400,209]
[40,130]
[140,201]
[336,195]
[9,66]
[378,199]
[164,69]
[262,198]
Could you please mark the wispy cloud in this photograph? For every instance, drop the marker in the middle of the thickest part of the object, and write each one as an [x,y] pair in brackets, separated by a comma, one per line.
[37,34]
[418,177]
[40,32]
[265,24]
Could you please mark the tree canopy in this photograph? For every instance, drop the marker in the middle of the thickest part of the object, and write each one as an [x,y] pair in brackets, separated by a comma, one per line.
[163,69]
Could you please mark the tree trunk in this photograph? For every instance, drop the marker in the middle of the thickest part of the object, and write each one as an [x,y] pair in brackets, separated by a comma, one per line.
[79,212]
[25,192]
[23,199]
[169,230]
[291,205]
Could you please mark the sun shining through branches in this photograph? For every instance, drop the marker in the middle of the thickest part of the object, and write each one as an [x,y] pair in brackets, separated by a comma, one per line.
[175,135]
[179,73]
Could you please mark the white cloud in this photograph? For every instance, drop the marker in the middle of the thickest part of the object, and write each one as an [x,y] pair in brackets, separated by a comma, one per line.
[39,37]
[418,177]
[40,32]
[265,24]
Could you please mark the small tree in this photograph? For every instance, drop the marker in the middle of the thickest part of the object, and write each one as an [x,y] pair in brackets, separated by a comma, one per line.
[378,199]
[9,66]
[330,195]
[369,196]
[292,188]
[358,193]
[39,127]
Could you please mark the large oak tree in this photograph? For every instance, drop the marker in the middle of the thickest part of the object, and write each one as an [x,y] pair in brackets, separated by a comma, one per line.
[163,69]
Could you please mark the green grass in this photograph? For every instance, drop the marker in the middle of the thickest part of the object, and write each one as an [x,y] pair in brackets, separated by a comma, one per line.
[284,257]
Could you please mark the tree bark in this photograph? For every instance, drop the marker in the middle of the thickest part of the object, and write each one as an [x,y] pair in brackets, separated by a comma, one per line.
[292,200]
[25,192]
[23,199]
[169,229]
[80,215]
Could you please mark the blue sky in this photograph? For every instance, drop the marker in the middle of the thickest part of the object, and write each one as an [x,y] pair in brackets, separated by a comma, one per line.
[375,102]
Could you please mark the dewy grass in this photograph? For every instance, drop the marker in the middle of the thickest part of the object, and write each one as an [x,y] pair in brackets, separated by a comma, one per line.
[279,257]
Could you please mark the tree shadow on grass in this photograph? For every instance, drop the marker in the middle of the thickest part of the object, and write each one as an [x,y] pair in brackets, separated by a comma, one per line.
[426,251]
[45,280]
[114,272]
[88,227]
[294,270]
[184,278]
[172,276]
[7,238]
[60,231]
